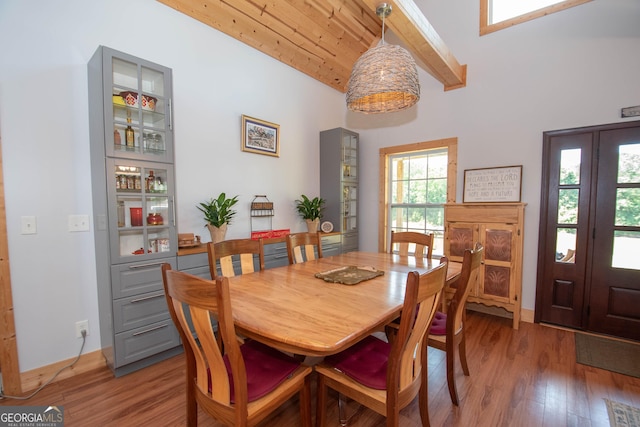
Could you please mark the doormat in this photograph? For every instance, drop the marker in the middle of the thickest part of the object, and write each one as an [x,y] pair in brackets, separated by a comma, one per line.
[621,415]
[610,354]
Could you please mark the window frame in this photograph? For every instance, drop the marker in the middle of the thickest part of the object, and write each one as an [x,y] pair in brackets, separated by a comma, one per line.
[450,144]
[486,28]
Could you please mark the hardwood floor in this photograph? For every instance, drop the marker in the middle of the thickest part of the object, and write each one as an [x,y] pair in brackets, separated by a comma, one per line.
[527,377]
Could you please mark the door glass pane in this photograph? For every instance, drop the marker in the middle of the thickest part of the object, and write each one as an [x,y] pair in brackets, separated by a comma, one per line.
[626,245]
[629,164]
[570,166]
[566,244]
[568,206]
[628,207]
[152,81]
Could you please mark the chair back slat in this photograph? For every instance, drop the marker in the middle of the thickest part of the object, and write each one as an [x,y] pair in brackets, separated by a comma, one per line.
[471,261]
[243,251]
[303,247]
[410,243]
[421,300]
[203,299]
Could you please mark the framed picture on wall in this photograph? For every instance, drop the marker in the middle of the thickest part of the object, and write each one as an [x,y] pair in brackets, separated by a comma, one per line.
[501,184]
[261,137]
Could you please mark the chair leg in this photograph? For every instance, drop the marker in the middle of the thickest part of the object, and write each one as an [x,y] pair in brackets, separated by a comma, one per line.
[451,382]
[462,352]
[321,402]
[305,403]
[423,399]
[342,410]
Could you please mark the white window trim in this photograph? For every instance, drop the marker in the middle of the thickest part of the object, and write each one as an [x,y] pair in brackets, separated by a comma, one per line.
[486,28]
[451,144]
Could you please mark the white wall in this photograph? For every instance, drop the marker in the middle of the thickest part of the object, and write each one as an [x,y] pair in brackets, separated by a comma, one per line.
[44,50]
[573,68]
[570,69]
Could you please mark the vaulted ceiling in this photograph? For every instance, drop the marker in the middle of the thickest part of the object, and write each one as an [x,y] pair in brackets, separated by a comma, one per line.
[324,38]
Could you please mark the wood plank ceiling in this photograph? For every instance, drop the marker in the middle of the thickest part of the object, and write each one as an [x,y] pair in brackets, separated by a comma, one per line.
[324,38]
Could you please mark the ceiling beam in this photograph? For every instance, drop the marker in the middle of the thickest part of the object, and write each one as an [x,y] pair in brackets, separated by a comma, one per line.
[412,27]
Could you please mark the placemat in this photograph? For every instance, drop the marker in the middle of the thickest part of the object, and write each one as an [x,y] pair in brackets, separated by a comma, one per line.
[349,275]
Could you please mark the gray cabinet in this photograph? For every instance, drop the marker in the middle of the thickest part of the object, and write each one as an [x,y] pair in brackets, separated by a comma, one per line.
[339,183]
[133,194]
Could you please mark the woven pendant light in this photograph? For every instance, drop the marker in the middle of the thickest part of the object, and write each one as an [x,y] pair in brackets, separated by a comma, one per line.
[384,79]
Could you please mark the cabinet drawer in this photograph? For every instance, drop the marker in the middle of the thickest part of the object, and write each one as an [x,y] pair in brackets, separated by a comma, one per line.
[138,278]
[138,311]
[275,255]
[199,271]
[186,262]
[349,242]
[140,343]
[331,245]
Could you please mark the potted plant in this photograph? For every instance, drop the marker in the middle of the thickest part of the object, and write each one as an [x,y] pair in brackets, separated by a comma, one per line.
[311,211]
[218,213]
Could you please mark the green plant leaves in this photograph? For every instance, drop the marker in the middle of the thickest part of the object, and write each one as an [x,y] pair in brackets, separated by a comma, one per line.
[218,211]
[310,208]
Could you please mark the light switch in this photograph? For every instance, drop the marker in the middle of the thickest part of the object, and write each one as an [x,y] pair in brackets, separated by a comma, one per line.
[78,222]
[28,225]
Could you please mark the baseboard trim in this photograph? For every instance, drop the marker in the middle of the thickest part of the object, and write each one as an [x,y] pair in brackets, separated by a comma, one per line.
[525,315]
[33,379]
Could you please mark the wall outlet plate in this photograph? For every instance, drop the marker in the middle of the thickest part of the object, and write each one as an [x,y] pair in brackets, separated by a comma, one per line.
[80,326]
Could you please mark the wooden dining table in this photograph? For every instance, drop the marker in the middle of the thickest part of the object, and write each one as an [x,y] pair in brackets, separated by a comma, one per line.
[290,309]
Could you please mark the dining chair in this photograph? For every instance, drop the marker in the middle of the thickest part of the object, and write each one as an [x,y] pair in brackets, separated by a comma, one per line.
[246,383]
[382,376]
[241,250]
[447,331]
[223,254]
[402,242]
[302,247]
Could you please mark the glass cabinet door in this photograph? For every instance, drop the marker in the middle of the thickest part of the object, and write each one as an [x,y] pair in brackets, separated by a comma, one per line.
[350,209]
[141,210]
[349,157]
[138,108]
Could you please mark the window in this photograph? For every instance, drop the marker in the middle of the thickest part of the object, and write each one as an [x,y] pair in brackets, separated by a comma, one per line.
[418,179]
[498,14]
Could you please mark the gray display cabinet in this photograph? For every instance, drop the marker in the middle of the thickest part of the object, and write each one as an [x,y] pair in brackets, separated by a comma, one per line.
[133,193]
[339,183]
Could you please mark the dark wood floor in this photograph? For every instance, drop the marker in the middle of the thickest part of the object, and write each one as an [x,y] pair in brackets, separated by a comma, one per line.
[527,377]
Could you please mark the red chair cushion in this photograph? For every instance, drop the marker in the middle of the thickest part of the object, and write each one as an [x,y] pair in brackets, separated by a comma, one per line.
[266,369]
[365,362]
[439,324]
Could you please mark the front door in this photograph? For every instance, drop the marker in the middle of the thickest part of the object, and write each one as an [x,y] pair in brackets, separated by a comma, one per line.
[588,262]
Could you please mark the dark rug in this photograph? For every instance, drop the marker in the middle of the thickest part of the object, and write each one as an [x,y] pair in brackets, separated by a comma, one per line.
[622,415]
[610,354]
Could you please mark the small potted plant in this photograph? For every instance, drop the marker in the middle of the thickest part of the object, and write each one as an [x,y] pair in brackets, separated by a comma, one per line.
[311,211]
[218,213]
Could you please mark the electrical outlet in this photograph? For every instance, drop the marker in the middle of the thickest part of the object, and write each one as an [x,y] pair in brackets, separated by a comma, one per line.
[80,326]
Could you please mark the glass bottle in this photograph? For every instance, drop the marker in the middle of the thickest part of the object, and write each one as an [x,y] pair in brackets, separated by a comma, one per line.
[116,137]
[120,214]
[129,134]
[150,182]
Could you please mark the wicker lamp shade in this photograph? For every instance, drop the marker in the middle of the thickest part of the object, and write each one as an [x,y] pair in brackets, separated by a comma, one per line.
[384,79]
